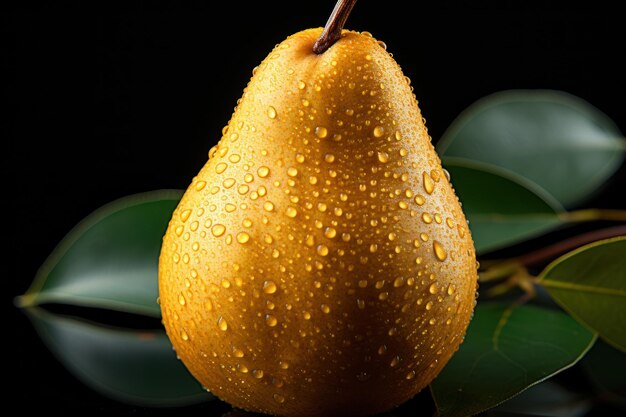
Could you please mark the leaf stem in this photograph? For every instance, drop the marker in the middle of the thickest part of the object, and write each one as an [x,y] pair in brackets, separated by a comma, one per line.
[588,215]
[24,301]
[550,252]
[334,26]
[510,266]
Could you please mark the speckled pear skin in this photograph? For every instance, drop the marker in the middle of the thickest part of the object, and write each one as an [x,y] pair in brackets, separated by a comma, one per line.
[319,264]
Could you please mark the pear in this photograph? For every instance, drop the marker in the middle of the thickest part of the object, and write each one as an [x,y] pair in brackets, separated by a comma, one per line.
[319,264]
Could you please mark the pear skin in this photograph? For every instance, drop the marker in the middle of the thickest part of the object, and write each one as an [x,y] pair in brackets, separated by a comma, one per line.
[319,264]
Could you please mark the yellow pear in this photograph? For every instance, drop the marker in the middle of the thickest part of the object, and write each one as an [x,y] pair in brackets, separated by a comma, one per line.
[319,264]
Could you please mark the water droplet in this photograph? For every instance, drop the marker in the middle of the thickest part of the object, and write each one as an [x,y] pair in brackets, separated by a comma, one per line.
[291,212]
[322,207]
[427,218]
[221,167]
[382,350]
[200,185]
[257,373]
[433,289]
[395,361]
[410,375]
[279,398]
[330,158]
[451,289]
[179,230]
[301,85]
[271,112]
[360,303]
[429,305]
[181,299]
[424,237]
[243,189]
[292,172]
[447,174]
[321,132]
[398,282]
[238,353]
[429,184]
[222,324]
[322,250]
[403,205]
[325,308]
[363,376]
[218,230]
[234,158]
[243,237]
[268,206]
[228,182]
[440,252]
[271,320]
[184,335]
[306,315]
[383,157]
[419,200]
[450,222]
[362,283]
[269,287]
[379,131]
[263,171]
[330,232]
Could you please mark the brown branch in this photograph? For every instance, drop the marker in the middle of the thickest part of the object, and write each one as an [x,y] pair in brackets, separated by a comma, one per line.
[334,26]
[548,253]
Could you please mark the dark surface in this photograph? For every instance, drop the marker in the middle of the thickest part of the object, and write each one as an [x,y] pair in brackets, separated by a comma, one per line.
[109,101]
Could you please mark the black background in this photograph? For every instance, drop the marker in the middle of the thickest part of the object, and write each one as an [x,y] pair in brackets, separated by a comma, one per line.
[104,101]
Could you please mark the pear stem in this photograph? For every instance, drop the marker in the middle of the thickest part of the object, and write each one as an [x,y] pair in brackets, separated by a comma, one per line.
[334,26]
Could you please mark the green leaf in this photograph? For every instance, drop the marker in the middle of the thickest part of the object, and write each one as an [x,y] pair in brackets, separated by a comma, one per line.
[110,259]
[558,141]
[137,367]
[506,350]
[545,399]
[590,283]
[502,209]
[606,368]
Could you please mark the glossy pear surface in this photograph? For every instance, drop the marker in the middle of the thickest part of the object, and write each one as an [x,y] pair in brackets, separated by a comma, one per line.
[319,264]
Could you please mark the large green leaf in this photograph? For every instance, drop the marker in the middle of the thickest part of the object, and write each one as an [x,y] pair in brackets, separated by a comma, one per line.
[606,368]
[556,140]
[502,208]
[506,350]
[110,259]
[138,367]
[546,399]
[590,283]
